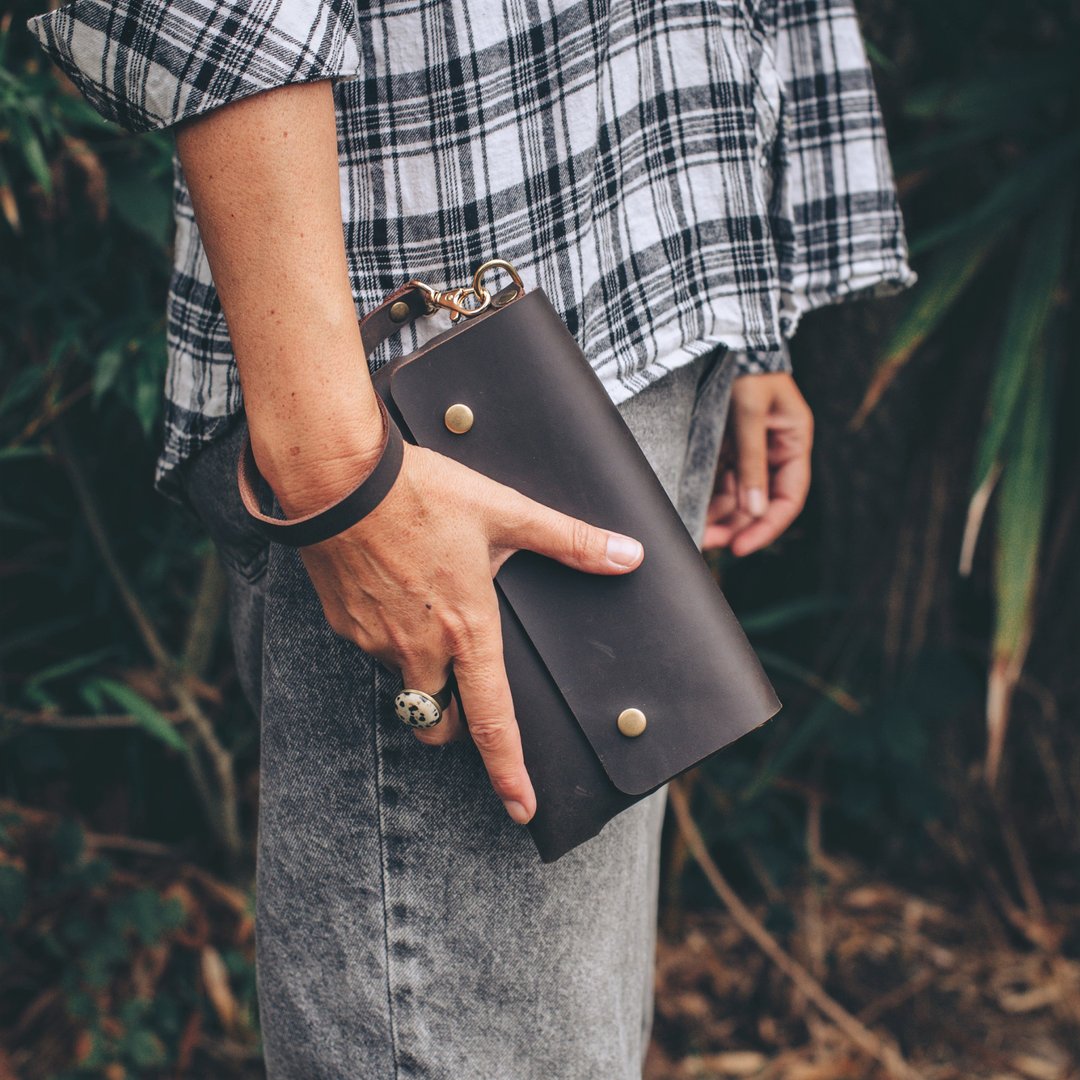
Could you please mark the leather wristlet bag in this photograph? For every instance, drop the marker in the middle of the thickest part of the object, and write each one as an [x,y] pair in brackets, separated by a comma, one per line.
[619,683]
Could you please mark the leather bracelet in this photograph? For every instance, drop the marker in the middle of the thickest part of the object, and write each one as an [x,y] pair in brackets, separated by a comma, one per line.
[336,517]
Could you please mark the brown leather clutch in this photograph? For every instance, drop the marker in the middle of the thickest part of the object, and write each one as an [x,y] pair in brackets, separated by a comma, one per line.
[658,647]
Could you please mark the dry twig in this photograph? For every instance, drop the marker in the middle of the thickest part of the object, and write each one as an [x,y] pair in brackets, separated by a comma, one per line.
[221,807]
[873,1045]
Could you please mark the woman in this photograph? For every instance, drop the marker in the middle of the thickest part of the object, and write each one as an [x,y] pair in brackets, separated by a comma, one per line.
[684,181]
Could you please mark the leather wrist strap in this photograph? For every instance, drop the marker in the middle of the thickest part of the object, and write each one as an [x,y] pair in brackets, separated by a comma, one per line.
[337,517]
[401,308]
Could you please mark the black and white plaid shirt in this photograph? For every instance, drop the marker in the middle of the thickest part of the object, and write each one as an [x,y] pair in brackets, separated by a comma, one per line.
[674,175]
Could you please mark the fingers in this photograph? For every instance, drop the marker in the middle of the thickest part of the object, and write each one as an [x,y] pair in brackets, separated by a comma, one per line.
[751,448]
[525,523]
[728,526]
[790,483]
[720,523]
[449,729]
[431,677]
[764,489]
[454,721]
[485,697]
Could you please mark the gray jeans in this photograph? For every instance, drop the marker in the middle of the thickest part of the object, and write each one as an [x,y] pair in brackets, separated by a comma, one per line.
[405,926]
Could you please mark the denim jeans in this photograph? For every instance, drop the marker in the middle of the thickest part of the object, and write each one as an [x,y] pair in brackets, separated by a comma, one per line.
[405,926]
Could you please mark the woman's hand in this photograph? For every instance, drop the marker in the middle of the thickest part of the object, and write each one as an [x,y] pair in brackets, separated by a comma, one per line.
[412,584]
[763,474]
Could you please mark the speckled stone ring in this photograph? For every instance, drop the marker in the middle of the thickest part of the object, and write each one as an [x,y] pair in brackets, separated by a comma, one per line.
[420,710]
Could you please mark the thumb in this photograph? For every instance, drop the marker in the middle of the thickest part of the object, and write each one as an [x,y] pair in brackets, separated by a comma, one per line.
[574,542]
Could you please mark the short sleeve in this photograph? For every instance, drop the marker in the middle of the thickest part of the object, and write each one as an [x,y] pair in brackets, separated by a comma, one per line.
[148,64]
[835,215]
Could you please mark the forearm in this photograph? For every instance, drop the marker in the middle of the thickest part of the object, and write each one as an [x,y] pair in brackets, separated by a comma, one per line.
[263,176]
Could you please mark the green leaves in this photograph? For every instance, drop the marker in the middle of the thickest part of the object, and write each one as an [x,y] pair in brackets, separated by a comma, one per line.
[1021,190]
[33,152]
[1035,287]
[1016,454]
[145,715]
[143,205]
[939,288]
[999,154]
[109,961]
[987,98]
[147,915]
[96,950]
[36,689]
[1021,517]
[108,366]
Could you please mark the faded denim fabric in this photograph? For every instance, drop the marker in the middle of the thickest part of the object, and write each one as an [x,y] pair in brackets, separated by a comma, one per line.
[405,926]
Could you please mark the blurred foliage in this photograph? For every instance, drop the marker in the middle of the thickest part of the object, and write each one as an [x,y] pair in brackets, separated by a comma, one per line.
[129,758]
[945,508]
[116,974]
[995,151]
[118,707]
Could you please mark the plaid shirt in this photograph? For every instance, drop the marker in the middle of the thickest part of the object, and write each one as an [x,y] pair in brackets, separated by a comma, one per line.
[675,176]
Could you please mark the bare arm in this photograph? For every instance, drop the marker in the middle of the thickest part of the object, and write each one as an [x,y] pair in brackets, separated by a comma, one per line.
[263,173]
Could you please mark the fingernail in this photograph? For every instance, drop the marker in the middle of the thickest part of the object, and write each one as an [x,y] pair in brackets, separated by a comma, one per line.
[516,811]
[623,551]
[755,501]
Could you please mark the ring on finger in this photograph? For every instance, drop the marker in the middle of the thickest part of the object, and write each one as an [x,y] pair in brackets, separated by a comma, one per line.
[418,709]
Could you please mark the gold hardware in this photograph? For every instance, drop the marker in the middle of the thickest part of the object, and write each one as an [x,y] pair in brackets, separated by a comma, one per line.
[459,418]
[465,301]
[399,311]
[631,722]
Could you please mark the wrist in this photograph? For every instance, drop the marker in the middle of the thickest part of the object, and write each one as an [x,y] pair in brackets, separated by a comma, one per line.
[311,464]
[313,527]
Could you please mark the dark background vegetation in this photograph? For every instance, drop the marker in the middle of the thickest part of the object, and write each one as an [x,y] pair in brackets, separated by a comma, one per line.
[879,883]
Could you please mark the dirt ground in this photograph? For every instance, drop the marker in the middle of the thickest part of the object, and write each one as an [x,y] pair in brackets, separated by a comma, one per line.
[953,989]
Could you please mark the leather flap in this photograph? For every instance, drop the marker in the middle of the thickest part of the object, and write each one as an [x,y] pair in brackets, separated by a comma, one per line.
[661,639]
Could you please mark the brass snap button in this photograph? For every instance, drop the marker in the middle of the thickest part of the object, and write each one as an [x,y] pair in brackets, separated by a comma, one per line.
[459,418]
[399,311]
[631,722]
